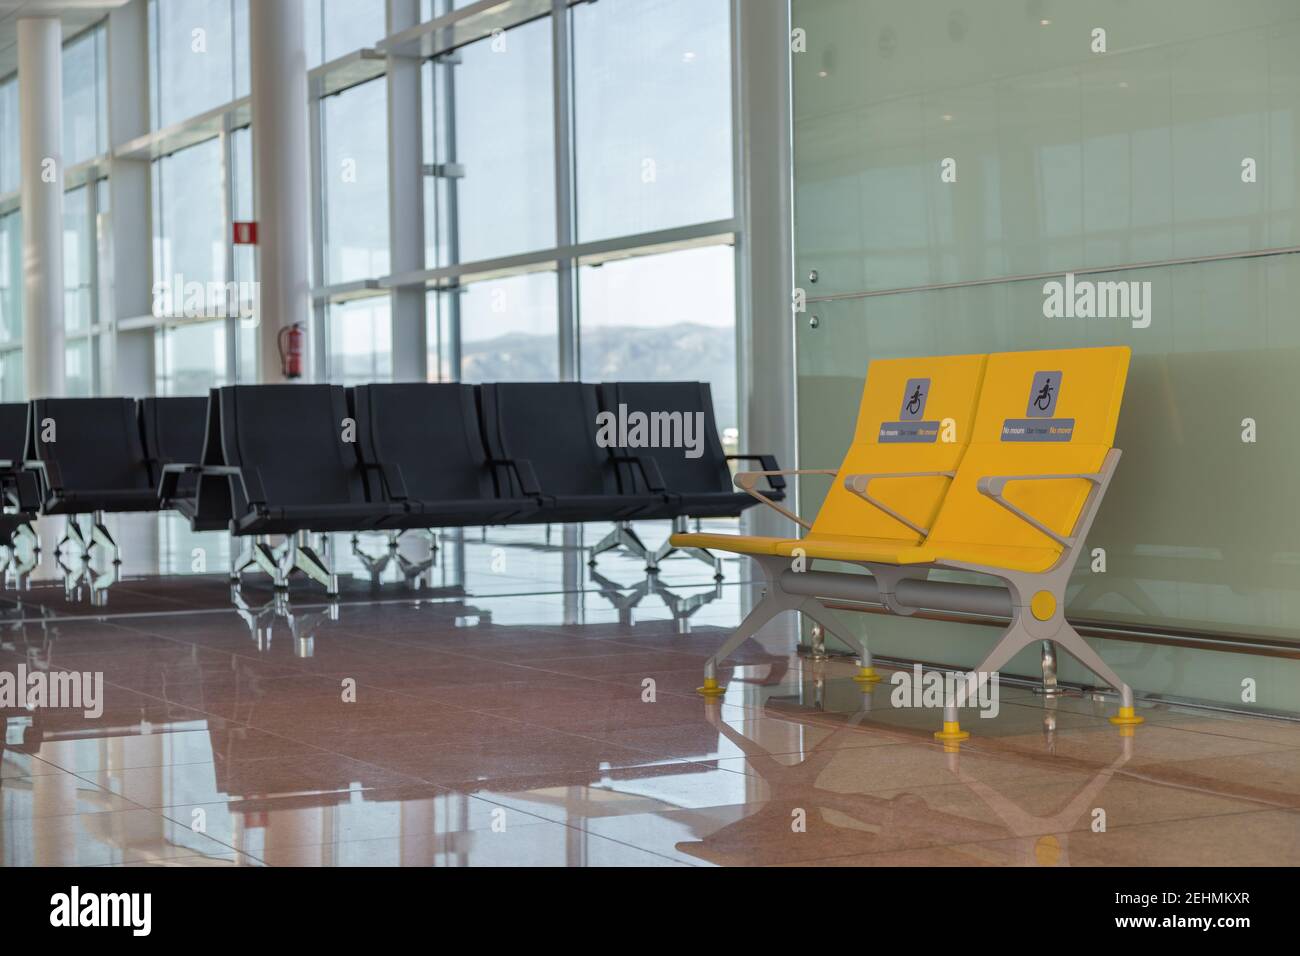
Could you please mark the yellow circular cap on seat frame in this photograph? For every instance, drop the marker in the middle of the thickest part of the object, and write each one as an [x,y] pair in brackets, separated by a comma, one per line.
[1043,605]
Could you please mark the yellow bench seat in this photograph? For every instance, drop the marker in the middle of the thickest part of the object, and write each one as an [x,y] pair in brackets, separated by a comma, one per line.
[830,547]
[843,547]
[733,543]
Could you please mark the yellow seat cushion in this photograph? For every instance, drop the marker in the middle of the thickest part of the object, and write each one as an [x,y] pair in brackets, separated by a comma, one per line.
[840,547]
[847,547]
[1005,557]
[735,543]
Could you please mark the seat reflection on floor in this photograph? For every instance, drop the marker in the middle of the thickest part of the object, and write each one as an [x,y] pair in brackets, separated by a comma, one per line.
[517,709]
[869,823]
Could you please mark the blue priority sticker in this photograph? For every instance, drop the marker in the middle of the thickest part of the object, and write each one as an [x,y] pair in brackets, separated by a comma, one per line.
[901,432]
[1038,429]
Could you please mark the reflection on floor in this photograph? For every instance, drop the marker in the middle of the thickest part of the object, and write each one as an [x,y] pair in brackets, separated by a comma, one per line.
[520,709]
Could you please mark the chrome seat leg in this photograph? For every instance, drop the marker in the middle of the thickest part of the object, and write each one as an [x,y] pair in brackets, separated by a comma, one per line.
[303,557]
[99,535]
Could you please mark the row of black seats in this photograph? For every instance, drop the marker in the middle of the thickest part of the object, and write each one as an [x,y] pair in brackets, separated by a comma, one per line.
[294,459]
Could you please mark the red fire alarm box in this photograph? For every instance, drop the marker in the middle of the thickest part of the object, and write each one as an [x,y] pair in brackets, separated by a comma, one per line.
[245,233]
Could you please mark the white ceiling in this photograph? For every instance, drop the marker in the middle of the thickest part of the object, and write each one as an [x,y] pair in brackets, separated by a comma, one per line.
[76,15]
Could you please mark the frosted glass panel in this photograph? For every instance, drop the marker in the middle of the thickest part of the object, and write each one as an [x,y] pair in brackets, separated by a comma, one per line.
[1199,527]
[1065,160]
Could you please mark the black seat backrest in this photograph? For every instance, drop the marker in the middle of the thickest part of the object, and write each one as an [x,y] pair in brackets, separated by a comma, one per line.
[172,429]
[297,439]
[94,441]
[553,426]
[13,432]
[430,432]
[212,496]
[678,405]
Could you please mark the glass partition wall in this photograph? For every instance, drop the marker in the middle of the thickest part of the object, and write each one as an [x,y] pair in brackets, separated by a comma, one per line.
[952,162]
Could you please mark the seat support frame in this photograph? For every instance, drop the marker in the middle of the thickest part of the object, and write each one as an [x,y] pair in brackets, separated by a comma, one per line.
[86,535]
[1037,601]
[774,601]
[296,553]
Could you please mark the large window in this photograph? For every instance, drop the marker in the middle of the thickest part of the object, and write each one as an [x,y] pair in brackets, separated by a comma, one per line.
[360,342]
[639,163]
[11,307]
[79,274]
[337,27]
[652,114]
[9,155]
[664,318]
[85,91]
[355,172]
[189,233]
[198,56]
[191,358]
[78,247]
[509,329]
[504,133]
[635,141]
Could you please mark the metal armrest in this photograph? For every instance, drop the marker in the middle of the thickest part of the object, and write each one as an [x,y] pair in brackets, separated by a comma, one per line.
[655,482]
[523,469]
[993,486]
[391,476]
[746,480]
[49,473]
[249,476]
[858,484]
[171,476]
[770,468]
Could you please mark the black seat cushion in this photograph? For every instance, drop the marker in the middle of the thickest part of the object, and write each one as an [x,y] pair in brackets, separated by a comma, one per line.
[467,512]
[580,508]
[287,519]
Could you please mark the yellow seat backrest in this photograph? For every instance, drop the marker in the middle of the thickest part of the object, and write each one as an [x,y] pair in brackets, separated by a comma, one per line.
[915,415]
[1040,413]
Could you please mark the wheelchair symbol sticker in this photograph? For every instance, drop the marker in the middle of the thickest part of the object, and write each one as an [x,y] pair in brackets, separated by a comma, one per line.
[1043,395]
[914,398]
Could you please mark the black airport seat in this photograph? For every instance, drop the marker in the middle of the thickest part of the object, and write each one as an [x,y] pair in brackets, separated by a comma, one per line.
[422,445]
[696,487]
[291,455]
[19,485]
[89,455]
[173,430]
[541,437]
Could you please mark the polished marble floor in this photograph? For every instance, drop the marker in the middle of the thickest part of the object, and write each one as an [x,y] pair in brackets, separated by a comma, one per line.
[518,709]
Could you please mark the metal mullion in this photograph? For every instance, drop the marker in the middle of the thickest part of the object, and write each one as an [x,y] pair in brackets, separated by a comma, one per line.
[452,297]
[562,107]
[91,247]
[228,210]
[316,154]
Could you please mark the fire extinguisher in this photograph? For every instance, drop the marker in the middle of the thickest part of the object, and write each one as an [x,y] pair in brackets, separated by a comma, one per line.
[290,342]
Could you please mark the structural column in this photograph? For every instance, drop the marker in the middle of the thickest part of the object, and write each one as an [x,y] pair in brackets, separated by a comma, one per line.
[128,367]
[40,107]
[278,61]
[406,200]
[765,330]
